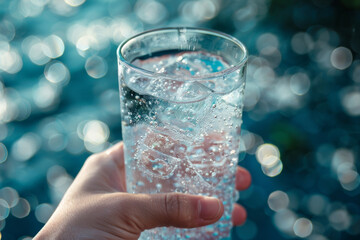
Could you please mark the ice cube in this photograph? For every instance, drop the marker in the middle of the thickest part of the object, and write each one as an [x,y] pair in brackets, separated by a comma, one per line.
[187,64]
[185,119]
[155,163]
[137,83]
[177,91]
[159,154]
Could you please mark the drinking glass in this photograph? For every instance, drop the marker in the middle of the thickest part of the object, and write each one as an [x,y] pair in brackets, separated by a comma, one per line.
[181,94]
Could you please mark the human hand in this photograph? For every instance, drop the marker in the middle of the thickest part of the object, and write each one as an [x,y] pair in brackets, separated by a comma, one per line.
[97,206]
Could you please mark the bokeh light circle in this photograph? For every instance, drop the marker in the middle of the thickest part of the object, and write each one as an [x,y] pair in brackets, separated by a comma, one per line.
[278,200]
[340,219]
[25,147]
[302,43]
[53,46]
[96,67]
[10,195]
[36,52]
[266,150]
[3,153]
[43,212]
[56,72]
[21,209]
[95,134]
[350,100]
[10,61]
[7,30]
[74,3]
[303,227]
[341,58]
[317,204]
[4,209]
[272,170]
[300,83]
[267,40]
[284,220]
[156,15]
[2,225]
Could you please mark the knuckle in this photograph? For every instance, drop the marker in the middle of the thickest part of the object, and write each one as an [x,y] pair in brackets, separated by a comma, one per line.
[93,159]
[124,209]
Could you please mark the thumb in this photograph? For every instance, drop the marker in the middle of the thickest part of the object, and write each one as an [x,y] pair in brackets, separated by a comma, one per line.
[146,211]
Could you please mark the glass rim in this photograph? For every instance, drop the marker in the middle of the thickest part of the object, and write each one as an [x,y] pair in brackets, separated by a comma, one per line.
[152,74]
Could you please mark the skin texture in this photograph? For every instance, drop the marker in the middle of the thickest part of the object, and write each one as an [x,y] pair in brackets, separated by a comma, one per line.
[96,206]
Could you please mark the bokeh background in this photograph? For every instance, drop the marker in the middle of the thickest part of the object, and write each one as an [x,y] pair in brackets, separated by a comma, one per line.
[59,103]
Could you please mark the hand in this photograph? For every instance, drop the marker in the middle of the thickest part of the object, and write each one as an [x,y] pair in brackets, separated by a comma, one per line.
[96,206]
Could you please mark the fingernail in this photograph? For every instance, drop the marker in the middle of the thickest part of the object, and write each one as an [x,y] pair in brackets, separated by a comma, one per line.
[209,208]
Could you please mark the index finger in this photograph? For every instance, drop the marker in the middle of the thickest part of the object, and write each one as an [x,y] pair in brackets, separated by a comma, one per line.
[116,153]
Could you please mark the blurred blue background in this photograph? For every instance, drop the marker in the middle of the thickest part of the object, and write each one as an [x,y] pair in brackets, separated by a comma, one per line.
[59,103]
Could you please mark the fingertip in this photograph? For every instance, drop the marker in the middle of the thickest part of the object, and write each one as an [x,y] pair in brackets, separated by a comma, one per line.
[116,153]
[117,146]
[210,209]
[116,149]
[239,215]
[243,178]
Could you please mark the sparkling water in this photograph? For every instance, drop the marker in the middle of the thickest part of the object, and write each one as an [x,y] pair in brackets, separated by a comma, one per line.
[182,134]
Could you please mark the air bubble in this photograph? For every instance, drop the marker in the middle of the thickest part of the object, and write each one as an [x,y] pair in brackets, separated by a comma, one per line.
[140,183]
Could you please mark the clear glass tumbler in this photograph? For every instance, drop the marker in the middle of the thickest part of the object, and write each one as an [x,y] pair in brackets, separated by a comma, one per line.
[181,94]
